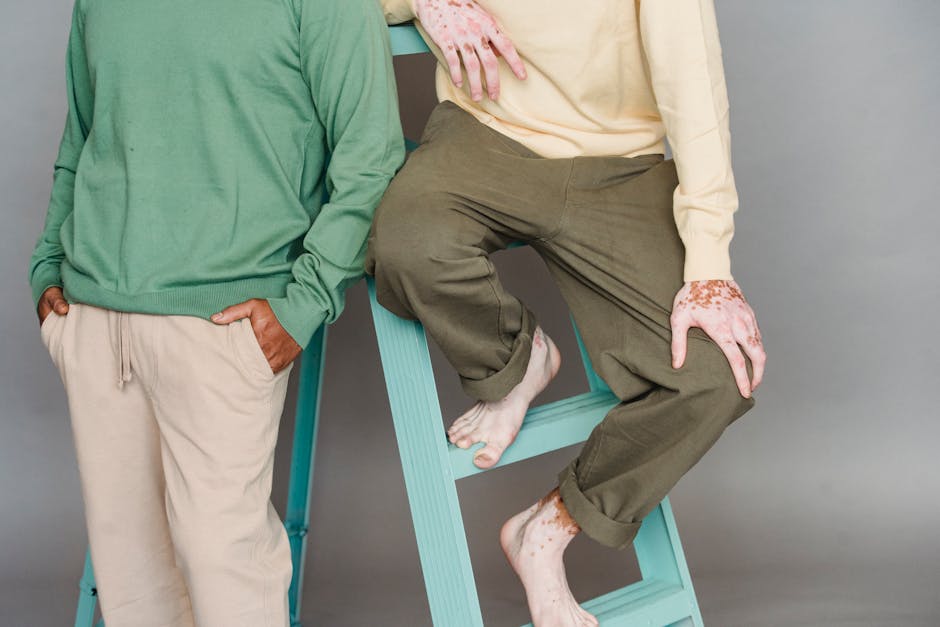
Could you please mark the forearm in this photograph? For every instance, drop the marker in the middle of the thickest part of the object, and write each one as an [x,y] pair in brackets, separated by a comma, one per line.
[348,66]
[48,253]
[334,249]
[684,54]
[46,260]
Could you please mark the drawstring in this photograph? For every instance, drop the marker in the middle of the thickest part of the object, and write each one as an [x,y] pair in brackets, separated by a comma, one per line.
[124,341]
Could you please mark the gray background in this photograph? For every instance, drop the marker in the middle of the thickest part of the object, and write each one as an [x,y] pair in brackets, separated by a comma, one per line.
[818,508]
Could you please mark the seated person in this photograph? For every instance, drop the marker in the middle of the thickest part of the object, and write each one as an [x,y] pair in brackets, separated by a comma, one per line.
[565,152]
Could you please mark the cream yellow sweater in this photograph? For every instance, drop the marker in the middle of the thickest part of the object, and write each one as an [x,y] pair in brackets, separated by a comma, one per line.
[614,77]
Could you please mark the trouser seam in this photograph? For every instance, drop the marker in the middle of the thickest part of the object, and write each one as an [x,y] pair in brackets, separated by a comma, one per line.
[563,221]
[499,304]
[589,466]
[261,528]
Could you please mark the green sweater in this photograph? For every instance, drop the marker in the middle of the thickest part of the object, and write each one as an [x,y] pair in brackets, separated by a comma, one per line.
[200,142]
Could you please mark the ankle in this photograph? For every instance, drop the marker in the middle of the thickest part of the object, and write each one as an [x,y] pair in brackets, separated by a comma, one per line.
[550,522]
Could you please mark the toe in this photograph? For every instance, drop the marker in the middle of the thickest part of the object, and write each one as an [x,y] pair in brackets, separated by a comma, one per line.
[457,425]
[466,434]
[458,431]
[488,456]
[468,419]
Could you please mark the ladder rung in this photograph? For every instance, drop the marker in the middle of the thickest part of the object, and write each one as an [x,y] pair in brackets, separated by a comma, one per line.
[649,602]
[559,424]
[654,601]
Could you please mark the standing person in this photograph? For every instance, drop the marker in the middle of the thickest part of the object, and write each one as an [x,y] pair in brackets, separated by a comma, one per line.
[561,145]
[187,258]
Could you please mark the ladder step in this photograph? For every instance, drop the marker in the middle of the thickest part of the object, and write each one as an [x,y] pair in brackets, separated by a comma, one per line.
[648,603]
[405,39]
[562,423]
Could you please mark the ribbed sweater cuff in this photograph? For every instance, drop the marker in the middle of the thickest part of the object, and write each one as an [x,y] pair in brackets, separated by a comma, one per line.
[48,276]
[707,260]
[300,321]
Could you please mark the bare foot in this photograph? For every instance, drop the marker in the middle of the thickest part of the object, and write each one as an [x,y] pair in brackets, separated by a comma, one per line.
[498,422]
[534,542]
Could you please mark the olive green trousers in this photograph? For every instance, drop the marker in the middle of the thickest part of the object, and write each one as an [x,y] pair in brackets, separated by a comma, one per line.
[604,227]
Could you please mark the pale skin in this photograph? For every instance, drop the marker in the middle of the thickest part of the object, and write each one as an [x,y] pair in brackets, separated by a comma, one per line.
[534,540]
[279,347]
[465,32]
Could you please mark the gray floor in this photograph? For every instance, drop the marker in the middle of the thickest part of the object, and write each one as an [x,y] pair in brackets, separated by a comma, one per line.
[390,598]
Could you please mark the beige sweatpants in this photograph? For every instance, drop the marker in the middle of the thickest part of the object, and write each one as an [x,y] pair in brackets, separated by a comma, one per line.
[175,421]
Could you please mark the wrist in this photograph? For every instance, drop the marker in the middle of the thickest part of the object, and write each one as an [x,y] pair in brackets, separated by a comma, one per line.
[42,283]
[299,320]
[706,260]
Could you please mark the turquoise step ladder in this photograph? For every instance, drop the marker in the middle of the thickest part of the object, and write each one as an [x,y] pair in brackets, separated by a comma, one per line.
[431,466]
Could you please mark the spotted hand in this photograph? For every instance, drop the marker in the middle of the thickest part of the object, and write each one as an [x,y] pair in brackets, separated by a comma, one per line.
[464,31]
[719,309]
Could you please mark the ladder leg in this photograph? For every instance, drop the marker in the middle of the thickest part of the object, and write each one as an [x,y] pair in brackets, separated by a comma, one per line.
[660,555]
[297,521]
[432,493]
[87,595]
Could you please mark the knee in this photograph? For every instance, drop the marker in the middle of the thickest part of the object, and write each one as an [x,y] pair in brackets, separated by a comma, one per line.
[409,236]
[393,251]
[729,401]
[199,545]
[711,382]
[207,545]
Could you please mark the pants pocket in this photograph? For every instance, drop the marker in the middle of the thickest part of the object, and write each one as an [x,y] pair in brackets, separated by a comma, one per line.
[248,351]
[47,328]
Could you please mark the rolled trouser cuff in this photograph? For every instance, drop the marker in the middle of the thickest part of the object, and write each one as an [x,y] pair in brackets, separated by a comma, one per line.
[499,384]
[592,521]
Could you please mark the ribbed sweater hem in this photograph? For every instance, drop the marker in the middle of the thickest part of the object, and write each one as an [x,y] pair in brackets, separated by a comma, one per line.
[196,300]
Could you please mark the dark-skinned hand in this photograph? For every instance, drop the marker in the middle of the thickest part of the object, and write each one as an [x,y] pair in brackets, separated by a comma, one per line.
[52,300]
[278,346]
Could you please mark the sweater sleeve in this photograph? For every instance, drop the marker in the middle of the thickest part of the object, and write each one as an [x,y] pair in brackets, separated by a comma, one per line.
[680,39]
[48,253]
[346,62]
[398,11]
